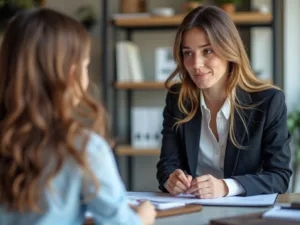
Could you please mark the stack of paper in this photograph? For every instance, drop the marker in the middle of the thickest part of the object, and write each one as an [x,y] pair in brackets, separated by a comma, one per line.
[157,204]
[258,200]
[285,213]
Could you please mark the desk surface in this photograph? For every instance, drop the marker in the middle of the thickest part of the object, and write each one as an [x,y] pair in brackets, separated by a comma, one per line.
[212,212]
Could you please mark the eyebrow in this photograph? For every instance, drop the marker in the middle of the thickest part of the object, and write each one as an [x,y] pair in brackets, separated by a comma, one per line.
[200,46]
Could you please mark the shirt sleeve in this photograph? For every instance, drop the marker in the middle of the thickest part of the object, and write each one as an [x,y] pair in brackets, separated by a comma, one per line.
[110,205]
[234,188]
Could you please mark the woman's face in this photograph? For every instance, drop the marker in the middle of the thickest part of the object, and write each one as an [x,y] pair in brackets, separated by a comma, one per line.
[85,74]
[84,81]
[206,69]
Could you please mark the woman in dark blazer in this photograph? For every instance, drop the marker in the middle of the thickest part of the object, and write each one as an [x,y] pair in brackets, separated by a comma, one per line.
[224,131]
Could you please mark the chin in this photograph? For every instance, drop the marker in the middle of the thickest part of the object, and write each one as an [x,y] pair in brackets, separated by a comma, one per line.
[203,85]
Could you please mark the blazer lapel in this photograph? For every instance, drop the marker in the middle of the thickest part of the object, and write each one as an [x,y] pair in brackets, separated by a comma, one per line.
[232,152]
[192,131]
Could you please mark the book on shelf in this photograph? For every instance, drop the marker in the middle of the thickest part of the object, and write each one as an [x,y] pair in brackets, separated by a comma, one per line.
[130,15]
[164,63]
[129,65]
[146,127]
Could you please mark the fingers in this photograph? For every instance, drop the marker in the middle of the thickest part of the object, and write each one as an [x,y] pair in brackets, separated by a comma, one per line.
[205,196]
[201,179]
[198,186]
[173,190]
[202,191]
[178,182]
[190,178]
[182,177]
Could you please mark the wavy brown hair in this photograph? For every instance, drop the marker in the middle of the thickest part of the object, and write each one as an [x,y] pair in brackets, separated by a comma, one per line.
[38,118]
[226,42]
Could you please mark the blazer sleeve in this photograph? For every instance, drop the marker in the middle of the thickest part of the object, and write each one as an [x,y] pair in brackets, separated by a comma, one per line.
[276,154]
[171,156]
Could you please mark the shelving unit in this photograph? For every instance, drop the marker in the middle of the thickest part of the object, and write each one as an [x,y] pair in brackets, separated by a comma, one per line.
[139,85]
[243,20]
[127,150]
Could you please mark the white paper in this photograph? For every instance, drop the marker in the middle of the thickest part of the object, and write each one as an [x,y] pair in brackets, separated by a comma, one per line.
[157,204]
[257,200]
[278,213]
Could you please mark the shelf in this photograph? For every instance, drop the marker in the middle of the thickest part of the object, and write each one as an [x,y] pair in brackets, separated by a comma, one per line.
[148,85]
[128,150]
[140,85]
[240,18]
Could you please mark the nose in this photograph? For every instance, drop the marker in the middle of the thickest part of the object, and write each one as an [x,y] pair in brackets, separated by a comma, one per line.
[198,61]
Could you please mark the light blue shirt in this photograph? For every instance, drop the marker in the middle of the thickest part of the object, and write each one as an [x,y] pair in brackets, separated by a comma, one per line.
[65,206]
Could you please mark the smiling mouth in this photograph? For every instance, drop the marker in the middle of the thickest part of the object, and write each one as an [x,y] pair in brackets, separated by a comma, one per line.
[201,74]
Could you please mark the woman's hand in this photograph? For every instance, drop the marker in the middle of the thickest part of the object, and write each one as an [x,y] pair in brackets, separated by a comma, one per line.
[207,186]
[147,212]
[178,182]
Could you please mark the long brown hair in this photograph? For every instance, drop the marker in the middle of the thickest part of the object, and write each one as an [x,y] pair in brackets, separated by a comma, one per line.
[227,44]
[38,117]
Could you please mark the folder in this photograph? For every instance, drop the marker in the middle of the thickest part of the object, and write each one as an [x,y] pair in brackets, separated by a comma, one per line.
[251,219]
[165,213]
[191,208]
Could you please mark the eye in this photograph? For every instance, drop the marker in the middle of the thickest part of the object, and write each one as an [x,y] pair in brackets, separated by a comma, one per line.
[207,51]
[187,53]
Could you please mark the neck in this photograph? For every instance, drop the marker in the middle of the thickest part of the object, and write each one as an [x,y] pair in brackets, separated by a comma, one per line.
[215,96]
[214,100]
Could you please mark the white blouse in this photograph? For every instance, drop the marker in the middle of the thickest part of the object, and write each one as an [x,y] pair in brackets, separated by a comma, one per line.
[212,152]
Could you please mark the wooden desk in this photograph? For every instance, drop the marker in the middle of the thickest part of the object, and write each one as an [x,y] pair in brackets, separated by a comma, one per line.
[212,212]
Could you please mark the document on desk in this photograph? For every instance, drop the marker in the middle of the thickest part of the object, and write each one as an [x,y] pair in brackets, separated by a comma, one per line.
[159,205]
[257,200]
[285,213]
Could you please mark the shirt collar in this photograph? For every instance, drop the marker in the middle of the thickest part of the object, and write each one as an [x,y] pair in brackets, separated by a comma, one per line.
[225,109]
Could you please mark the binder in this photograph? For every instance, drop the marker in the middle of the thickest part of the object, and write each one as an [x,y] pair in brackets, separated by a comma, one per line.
[179,210]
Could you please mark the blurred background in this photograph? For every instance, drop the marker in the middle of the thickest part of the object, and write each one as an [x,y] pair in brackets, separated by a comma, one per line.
[132,56]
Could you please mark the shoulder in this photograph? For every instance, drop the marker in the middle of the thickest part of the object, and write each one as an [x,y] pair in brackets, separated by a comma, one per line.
[97,143]
[268,98]
[263,97]
[176,87]
[173,91]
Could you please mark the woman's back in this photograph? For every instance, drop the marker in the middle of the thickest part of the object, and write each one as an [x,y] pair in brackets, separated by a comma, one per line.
[53,134]
[65,204]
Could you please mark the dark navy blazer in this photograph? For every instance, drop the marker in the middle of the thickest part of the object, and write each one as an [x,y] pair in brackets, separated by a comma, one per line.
[262,167]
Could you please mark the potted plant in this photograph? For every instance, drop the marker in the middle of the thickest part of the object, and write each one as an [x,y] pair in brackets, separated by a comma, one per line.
[191,4]
[86,16]
[8,8]
[293,123]
[228,6]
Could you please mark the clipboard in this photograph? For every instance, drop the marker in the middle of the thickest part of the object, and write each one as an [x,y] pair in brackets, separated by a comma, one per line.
[251,219]
[191,208]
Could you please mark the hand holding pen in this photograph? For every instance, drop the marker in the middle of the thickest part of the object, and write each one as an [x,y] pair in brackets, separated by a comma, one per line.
[178,182]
